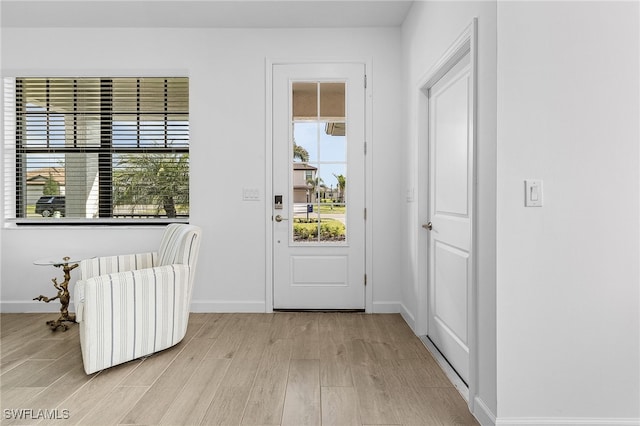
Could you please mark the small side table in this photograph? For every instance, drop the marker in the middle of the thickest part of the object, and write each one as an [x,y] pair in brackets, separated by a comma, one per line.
[67,264]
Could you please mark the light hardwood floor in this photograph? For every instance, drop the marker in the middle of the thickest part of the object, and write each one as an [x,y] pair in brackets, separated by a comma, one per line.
[234,369]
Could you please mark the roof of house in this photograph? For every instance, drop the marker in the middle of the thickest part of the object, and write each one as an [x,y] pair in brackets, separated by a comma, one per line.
[40,176]
[303,166]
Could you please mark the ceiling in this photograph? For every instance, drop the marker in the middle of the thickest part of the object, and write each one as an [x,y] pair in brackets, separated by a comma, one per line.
[203,13]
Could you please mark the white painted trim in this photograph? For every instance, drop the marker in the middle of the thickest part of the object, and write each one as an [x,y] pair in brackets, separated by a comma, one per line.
[368,104]
[386,307]
[268,190]
[408,317]
[30,306]
[368,187]
[200,306]
[483,414]
[562,421]
[228,306]
[465,43]
[474,363]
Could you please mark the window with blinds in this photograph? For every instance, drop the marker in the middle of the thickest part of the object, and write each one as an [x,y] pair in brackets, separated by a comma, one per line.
[92,149]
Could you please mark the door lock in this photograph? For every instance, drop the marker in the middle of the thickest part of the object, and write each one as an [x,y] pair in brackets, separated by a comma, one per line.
[277,202]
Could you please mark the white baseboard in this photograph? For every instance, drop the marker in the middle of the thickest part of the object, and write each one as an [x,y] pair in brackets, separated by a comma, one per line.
[408,317]
[555,421]
[228,306]
[200,306]
[386,307]
[31,306]
[482,413]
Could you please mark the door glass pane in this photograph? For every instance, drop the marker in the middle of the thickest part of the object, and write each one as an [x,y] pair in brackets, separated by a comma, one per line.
[305,141]
[333,142]
[319,162]
[331,206]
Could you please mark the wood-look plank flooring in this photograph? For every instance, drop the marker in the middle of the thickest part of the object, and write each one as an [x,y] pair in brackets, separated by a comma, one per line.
[233,369]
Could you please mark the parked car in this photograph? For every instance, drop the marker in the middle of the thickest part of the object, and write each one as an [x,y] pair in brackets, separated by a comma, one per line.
[48,204]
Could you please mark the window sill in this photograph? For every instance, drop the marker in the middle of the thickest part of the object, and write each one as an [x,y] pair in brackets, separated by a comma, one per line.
[88,223]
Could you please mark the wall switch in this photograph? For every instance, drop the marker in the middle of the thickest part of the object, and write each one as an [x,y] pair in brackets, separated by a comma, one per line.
[533,193]
[250,194]
[410,195]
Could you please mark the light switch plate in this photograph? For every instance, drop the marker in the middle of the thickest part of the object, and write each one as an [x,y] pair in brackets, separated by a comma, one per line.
[410,195]
[250,194]
[533,193]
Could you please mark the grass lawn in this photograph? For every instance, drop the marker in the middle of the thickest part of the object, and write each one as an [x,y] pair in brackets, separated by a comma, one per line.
[326,208]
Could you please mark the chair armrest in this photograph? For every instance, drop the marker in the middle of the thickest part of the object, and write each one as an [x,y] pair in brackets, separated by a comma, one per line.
[127,315]
[110,264]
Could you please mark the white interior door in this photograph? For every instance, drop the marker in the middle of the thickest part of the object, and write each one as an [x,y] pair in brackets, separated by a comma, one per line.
[318,186]
[450,213]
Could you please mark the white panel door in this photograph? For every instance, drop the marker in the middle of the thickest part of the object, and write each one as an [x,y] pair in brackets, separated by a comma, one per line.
[318,186]
[450,201]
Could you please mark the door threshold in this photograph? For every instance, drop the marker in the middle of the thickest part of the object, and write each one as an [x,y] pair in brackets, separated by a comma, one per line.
[448,370]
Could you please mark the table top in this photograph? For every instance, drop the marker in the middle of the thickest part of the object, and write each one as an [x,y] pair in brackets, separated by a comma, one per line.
[54,261]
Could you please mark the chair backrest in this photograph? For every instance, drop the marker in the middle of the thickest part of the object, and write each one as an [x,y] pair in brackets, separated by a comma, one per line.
[180,244]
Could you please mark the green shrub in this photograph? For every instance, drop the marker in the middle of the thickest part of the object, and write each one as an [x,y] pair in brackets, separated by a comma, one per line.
[330,229]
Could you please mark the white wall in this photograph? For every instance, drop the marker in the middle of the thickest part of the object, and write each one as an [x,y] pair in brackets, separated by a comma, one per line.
[558,285]
[227,78]
[568,280]
[429,30]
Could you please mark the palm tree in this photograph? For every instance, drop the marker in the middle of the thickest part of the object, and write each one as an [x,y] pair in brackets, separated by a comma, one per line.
[323,190]
[342,185]
[300,153]
[153,179]
[314,184]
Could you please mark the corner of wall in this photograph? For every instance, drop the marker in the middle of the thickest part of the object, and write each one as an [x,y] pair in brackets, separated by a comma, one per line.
[483,413]
[408,317]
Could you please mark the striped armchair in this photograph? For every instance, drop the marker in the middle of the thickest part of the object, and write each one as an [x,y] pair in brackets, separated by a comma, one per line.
[131,306]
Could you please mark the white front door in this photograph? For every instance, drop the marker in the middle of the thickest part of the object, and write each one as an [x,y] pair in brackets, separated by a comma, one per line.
[450,213]
[318,186]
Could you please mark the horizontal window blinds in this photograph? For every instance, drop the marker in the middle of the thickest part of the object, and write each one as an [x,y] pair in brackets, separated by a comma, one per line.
[96,148]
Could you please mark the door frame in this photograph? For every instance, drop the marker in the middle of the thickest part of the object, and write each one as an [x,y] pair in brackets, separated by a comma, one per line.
[465,43]
[268,183]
